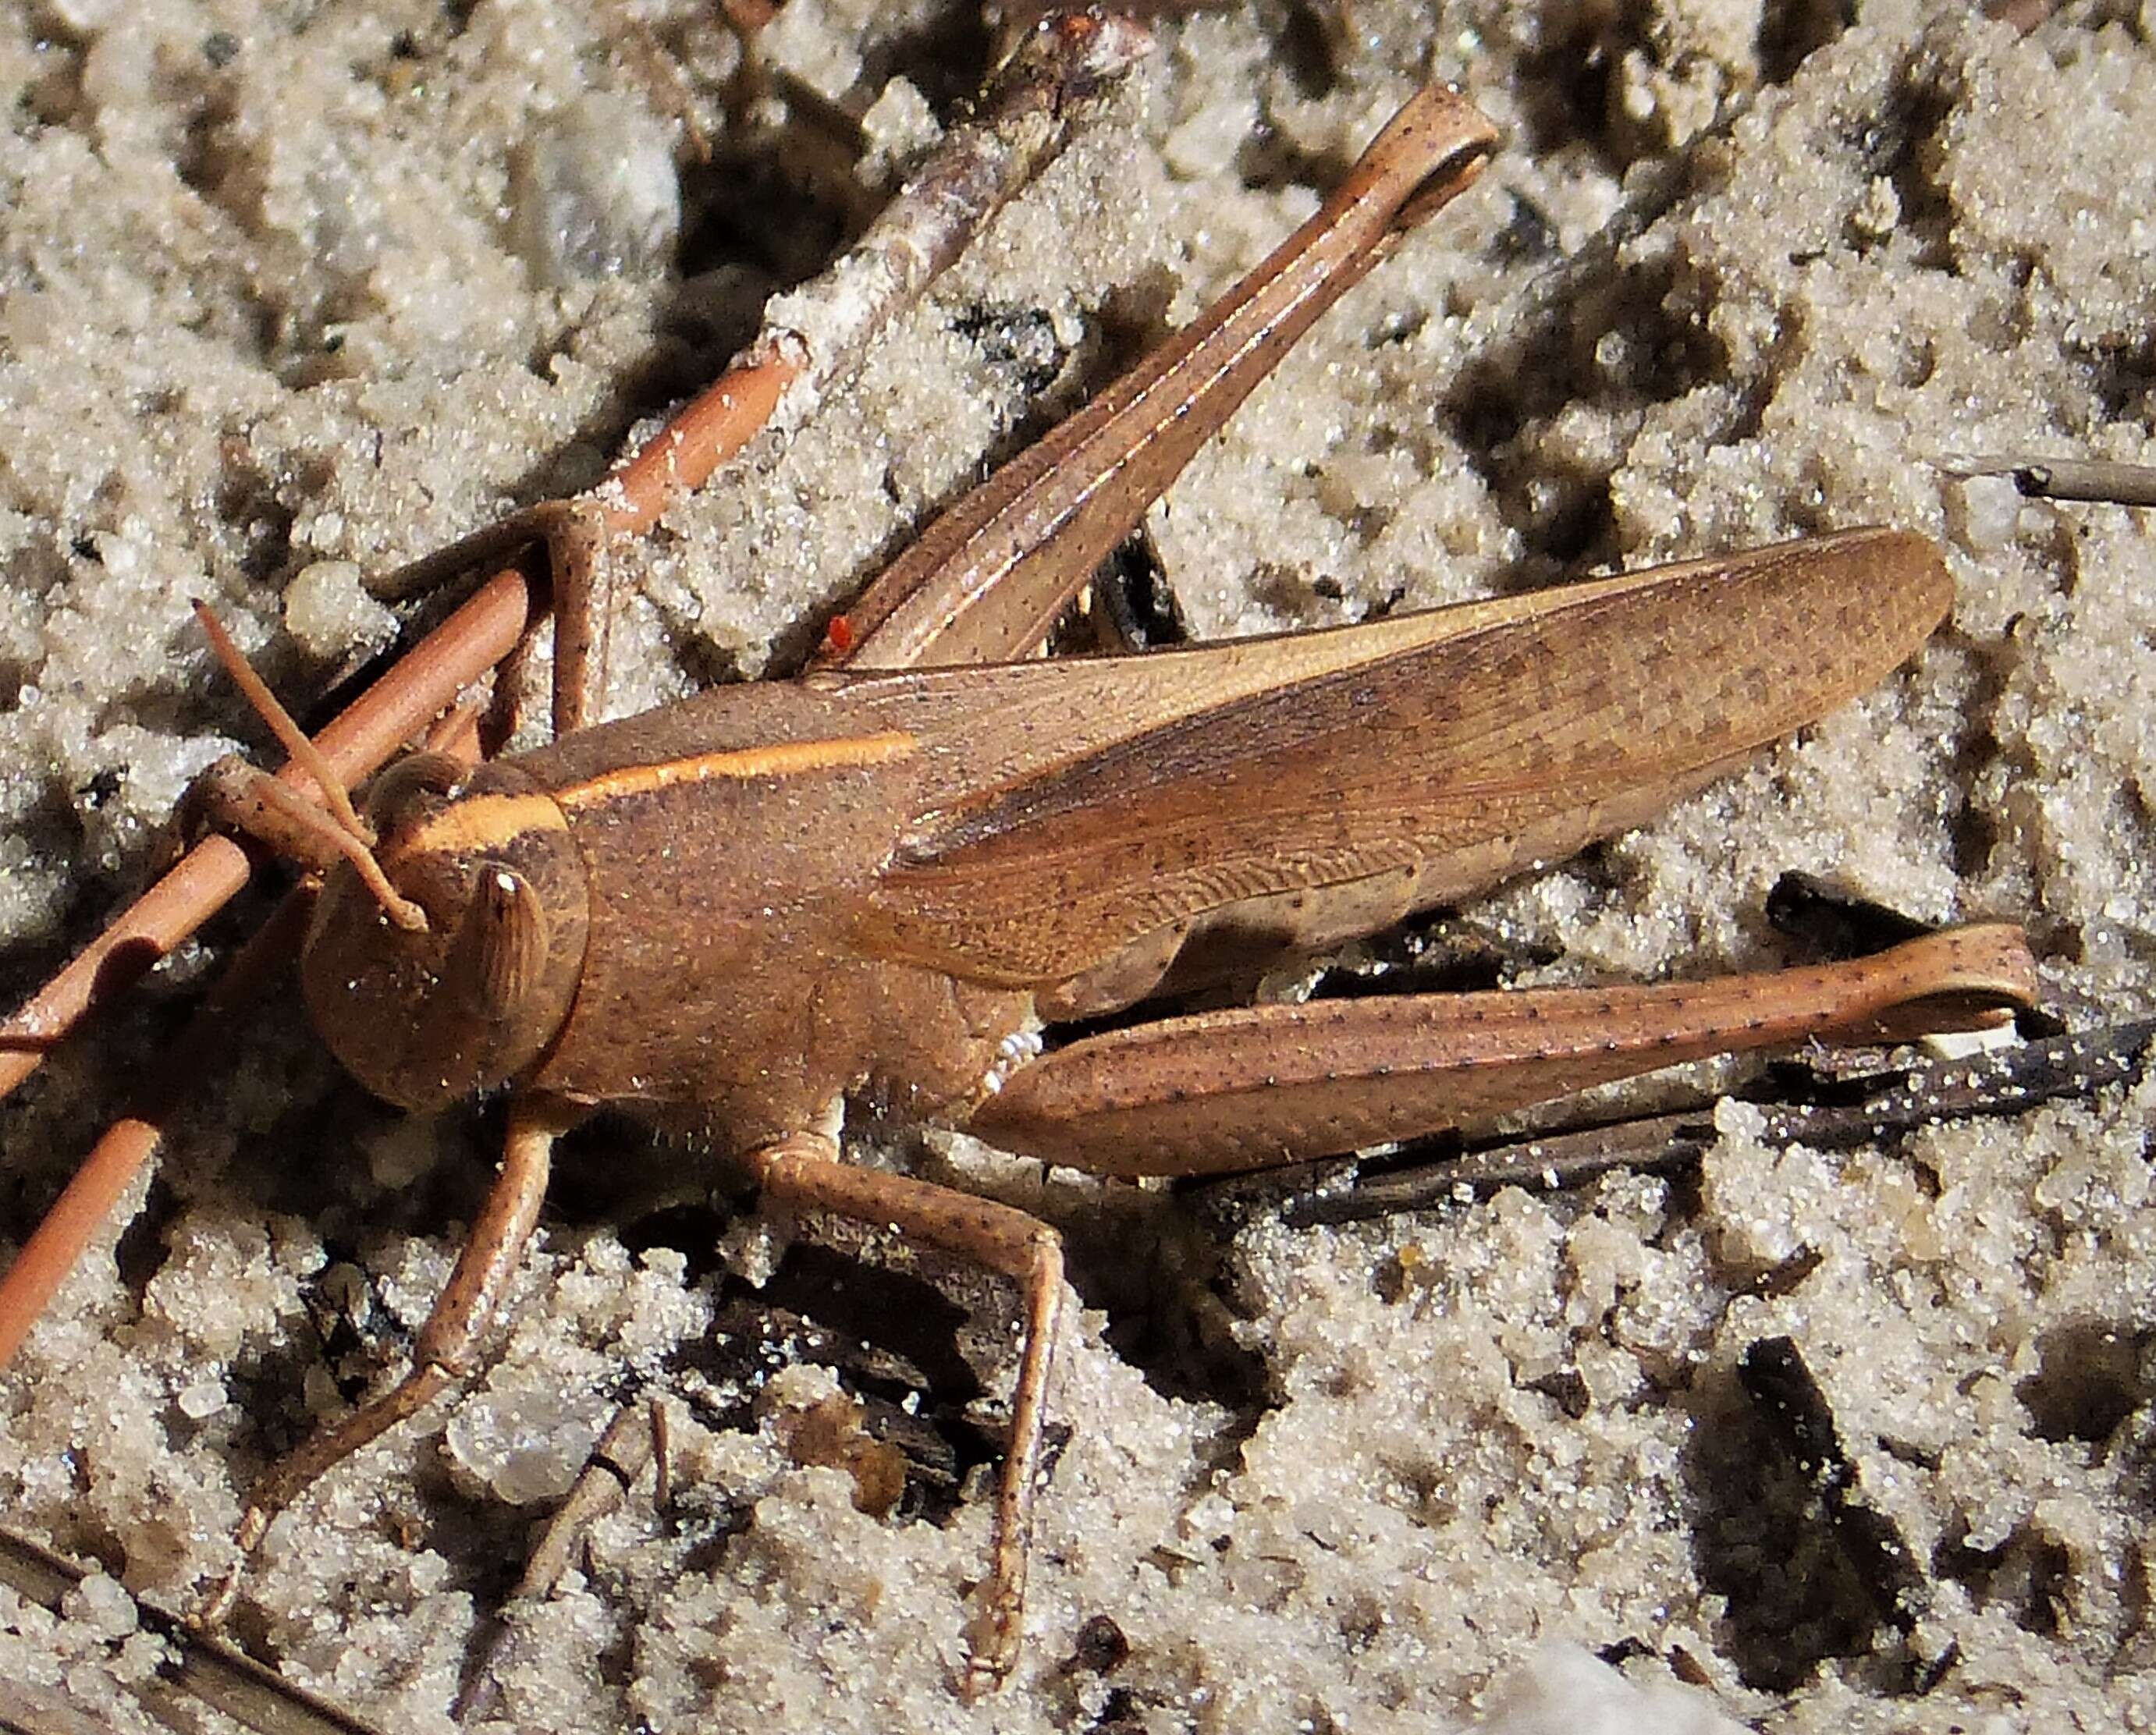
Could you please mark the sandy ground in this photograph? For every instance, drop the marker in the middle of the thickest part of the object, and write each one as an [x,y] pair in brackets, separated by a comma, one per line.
[294,284]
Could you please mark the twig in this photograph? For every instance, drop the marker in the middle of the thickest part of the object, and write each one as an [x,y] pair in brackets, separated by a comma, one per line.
[2118,485]
[2076,1065]
[1030,108]
[38,1711]
[206,1669]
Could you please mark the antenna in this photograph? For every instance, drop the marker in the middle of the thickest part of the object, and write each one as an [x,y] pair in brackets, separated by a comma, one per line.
[343,828]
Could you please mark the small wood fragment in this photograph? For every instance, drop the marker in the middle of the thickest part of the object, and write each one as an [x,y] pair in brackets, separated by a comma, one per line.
[2118,485]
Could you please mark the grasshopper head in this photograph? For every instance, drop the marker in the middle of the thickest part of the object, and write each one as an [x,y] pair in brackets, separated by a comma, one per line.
[423,1016]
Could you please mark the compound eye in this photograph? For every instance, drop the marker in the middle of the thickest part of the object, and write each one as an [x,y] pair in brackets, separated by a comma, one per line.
[500,951]
[433,777]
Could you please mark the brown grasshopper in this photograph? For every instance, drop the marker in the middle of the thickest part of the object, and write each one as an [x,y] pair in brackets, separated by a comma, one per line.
[875,884]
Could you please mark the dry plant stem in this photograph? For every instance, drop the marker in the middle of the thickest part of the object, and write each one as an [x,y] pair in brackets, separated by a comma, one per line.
[1049,85]
[35,1710]
[2109,483]
[105,1174]
[662,1454]
[2074,1066]
[804,1173]
[202,1668]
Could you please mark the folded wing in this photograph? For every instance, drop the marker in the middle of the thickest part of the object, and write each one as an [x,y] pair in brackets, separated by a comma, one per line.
[1077,808]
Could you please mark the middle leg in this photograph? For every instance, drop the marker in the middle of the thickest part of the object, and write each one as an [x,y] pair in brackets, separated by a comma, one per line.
[803,1174]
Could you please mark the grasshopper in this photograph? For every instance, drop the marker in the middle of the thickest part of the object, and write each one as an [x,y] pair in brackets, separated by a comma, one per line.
[881,881]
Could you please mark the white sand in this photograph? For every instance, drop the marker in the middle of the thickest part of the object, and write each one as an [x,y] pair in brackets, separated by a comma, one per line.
[273,293]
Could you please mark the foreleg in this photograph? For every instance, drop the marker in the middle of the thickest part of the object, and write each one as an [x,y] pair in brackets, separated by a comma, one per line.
[447,1353]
